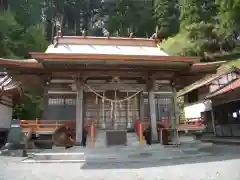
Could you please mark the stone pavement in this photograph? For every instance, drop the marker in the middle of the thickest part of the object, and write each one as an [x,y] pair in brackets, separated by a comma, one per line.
[216,162]
[222,165]
[133,152]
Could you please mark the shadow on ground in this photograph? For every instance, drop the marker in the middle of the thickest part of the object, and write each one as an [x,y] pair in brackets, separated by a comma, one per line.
[215,154]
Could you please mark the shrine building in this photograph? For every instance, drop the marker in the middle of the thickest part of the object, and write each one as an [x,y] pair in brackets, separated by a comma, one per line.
[110,81]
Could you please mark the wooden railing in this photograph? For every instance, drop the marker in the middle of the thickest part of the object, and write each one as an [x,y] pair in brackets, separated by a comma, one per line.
[45,125]
[51,125]
[194,122]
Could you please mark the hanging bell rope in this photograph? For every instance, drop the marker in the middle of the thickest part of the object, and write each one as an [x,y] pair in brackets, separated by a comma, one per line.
[103,104]
[111,100]
[128,101]
[115,105]
[103,109]
[111,109]
[96,101]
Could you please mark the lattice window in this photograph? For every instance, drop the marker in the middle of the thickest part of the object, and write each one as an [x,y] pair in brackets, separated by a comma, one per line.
[70,101]
[56,101]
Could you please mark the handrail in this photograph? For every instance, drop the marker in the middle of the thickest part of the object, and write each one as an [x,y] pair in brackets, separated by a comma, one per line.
[44,125]
[42,120]
[38,125]
[193,122]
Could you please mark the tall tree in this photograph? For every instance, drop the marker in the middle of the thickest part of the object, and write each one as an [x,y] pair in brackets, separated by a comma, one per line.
[167,15]
[27,12]
[229,11]
[196,11]
[10,34]
[123,17]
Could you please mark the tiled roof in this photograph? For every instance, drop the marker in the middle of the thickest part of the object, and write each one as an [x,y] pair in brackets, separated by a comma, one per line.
[231,86]
[204,81]
[23,63]
[7,83]
[106,49]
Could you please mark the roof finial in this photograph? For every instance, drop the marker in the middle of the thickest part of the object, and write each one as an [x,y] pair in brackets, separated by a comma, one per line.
[83,33]
[131,35]
[155,35]
[59,33]
[107,34]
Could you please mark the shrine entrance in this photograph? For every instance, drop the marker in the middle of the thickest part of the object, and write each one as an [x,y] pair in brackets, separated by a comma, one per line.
[111,109]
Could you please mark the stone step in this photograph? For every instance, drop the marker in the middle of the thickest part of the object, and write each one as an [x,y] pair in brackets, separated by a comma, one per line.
[13,153]
[127,157]
[132,152]
[100,140]
[58,156]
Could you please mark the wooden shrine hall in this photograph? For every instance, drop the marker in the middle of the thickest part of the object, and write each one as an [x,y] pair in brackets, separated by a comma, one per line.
[108,81]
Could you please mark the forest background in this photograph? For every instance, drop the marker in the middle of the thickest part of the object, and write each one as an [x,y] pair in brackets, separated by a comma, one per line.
[209,29]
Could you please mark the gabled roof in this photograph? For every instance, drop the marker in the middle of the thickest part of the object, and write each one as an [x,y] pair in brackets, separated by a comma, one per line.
[80,48]
[7,83]
[23,63]
[94,40]
[108,52]
[105,49]
[105,45]
[206,80]
[231,86]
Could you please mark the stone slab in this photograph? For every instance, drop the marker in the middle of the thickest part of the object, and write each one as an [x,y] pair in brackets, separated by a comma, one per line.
[118,159]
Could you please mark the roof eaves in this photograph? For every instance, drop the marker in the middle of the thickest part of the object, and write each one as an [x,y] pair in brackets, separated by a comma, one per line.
[25,63]
[205,81]
[229,87]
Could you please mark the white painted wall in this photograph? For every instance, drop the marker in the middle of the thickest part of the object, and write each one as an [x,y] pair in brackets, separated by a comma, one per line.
[5,116]
[194,110]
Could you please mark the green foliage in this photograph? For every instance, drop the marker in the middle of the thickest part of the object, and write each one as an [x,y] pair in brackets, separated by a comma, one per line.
[229,16]
[199,39]
[29,108]
[167,15]
[17,41]
[34,40]
[196,11]
[123,17]
[207,29]
[22,31]
[28,12]
[190,27]
[205,37]
[10,34]
[179,45]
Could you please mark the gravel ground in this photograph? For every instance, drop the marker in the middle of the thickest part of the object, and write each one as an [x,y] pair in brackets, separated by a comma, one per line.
[223,164]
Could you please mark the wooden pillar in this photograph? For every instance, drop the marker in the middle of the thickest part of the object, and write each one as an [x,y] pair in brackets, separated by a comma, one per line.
[141,107]
[213,122]
[79,113]
[152,109]
[44,114]
[175,112]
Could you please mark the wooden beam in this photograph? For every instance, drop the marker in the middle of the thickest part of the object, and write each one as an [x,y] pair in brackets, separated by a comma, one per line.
[78,57]
[98,74]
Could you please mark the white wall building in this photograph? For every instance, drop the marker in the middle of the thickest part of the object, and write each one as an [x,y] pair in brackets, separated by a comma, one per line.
[9,88]
[195,103]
